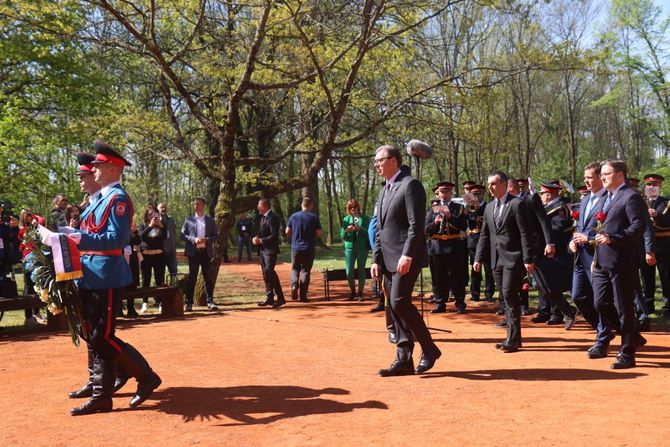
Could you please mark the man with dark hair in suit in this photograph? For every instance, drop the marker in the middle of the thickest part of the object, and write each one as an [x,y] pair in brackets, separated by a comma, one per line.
[616,255]
[504,230]
[268,242]
[398,256]
[199,233]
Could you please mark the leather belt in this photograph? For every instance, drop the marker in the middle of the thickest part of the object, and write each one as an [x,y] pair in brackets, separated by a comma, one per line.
[156,251]
[446,237]
[118,252]
[662,233]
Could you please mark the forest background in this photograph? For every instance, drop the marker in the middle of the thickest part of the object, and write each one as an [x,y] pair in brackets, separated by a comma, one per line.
[283,99]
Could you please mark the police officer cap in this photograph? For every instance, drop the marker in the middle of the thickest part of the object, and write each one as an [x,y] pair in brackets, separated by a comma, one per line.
[444,185]
[581,188]
[653,178]
[469,183]
[552,186]
[85,162]
[475,188]
[105,154]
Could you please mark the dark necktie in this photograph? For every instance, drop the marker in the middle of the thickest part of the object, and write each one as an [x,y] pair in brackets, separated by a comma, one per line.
[497,212]
[607,201]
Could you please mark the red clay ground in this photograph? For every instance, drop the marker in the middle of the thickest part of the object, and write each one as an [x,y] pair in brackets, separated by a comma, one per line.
[306,375]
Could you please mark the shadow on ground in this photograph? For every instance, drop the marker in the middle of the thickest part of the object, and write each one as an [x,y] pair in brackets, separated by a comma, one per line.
[251,405]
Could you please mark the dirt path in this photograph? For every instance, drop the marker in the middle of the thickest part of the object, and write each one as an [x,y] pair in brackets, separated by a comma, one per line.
[306,375]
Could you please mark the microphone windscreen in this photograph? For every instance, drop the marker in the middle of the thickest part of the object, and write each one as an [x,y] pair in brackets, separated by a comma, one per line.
[419,149]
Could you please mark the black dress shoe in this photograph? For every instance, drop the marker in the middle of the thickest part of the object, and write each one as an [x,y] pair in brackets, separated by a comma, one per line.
[378,308]
[303,300]
[540,318]
[294,294]
[97,405]
[475,298]
[623,362]
[460,309]
[640,341]
[525,310]
[267,302]
[132,313]
[508,346]
[501,324]
[598,351]
[644,325]
[145,386]
[439,309]
[553,321]
[398,368]
[426,362]
[570,321]
[279,303]
[500,311]
[84,391]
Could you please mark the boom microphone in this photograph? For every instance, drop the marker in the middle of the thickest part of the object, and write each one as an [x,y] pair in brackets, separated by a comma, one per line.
[419,149]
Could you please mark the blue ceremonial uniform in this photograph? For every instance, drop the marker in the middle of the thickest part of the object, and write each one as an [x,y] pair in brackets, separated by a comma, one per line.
[105,231]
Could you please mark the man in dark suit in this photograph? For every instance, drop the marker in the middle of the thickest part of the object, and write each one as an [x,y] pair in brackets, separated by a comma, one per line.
[582,245]
[199,233]
[616,255]
[398,257]
[504,230]
[268,242]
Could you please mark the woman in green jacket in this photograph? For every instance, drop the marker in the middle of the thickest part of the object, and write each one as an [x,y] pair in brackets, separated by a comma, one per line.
[354,234]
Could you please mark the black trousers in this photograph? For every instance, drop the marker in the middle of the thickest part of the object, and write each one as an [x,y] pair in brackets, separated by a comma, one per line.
[618,288]
[509,282]
[201,260]
[272,284]
[649,280]
[407,320]
[448,273]
[476,277]
[301,268]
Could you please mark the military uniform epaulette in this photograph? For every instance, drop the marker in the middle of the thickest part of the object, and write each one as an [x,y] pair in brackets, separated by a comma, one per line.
[558,208]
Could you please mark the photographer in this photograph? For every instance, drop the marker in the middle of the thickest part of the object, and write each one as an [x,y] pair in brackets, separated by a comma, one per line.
[354,234]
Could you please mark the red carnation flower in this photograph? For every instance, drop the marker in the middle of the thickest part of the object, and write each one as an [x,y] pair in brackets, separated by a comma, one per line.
[575,214]
[600,216]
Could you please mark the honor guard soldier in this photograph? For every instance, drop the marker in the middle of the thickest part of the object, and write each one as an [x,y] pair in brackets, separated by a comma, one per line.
[474,213]
[445,231]
[104,232]
[558,272]
[659,212]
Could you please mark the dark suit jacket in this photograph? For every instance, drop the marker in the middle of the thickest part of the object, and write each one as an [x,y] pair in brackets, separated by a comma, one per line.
[400,230]
[189,233]
[269,234]
[625,223]
[509,243]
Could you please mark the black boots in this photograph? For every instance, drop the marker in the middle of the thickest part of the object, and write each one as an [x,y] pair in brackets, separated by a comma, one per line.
[103,384]
[86,390]
[136,366]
